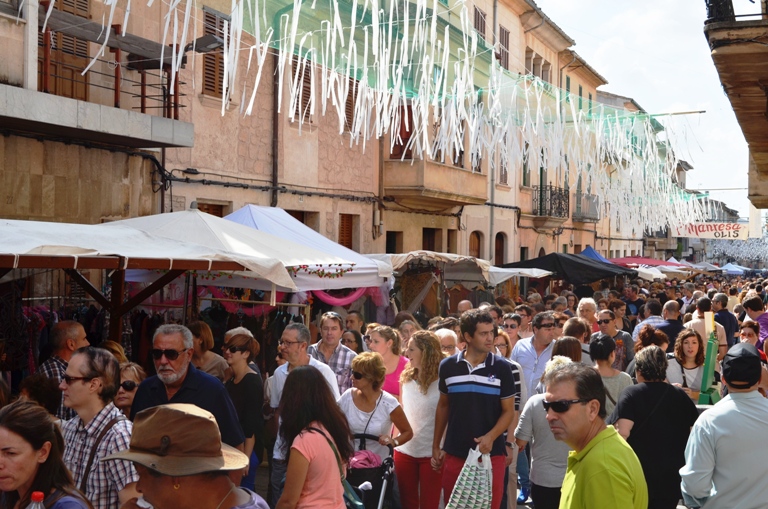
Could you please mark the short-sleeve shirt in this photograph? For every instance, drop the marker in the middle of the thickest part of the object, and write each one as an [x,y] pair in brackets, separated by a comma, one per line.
[216,366]
[248,398]
[377,422]
[322,486]
[474,400]
[106,478]
[532,363]
[340,362]
[690,378]
[199,389]
[549,457]
[392,381]
[660,442]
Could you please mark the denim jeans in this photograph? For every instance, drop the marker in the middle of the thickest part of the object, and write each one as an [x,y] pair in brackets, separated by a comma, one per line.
[523,470]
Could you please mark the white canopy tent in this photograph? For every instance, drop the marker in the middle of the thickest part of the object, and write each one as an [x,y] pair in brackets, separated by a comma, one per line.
[650,273]
[707,266]
[193,227]
[81,241]
[733,270]
[367,272]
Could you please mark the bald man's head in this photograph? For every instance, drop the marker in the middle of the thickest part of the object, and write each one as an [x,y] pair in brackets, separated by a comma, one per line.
[464,305]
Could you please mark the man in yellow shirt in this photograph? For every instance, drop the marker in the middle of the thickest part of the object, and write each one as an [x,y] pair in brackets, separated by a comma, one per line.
[603,471]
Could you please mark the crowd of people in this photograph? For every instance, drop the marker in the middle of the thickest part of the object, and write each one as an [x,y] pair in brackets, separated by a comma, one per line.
[584,402]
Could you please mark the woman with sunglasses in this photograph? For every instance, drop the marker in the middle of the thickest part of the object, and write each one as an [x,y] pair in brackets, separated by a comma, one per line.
[246,390]
[31,459]
[371,410]
[131,375]
[511,325]
[656,418]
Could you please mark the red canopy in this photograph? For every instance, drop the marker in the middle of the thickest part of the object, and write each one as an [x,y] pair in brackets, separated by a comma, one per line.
[639,260]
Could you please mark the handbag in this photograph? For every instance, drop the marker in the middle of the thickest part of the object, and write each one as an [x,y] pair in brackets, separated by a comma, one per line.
[474,486]
[351,499]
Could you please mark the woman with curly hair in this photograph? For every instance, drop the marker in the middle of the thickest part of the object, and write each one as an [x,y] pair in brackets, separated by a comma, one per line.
[32,448]
[687,367]
[419,484]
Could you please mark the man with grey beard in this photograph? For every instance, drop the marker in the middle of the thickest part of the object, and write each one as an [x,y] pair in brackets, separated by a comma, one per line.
[178,381]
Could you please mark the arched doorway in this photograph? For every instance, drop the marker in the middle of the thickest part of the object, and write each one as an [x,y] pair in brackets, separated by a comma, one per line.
[500,249]
[542,252]
[475,244]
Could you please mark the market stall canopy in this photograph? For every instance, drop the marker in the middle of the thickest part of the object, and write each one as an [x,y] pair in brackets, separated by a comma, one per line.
[639,260]
[707,266]
[649,273]
[198,228]
[573,268]
[276,221]
[733,270]
[36,244]
[460,267]
[590,252]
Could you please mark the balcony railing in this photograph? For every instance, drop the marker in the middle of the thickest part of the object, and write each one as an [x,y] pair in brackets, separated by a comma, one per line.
[722,10]
[587,207]
[550,201]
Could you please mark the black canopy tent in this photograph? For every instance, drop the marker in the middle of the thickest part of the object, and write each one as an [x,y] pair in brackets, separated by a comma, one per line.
[575,269]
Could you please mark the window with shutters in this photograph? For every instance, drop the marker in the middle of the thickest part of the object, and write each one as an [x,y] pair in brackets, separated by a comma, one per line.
[68,57]
[480,22]
[453,241]
[347,223]
[567,89]
[504,47]
[503,163]
[581,97]
[304,69]
[349,106]
[213,62]
[401,148]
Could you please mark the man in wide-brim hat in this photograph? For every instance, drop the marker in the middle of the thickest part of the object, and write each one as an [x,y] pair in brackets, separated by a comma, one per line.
[181,461]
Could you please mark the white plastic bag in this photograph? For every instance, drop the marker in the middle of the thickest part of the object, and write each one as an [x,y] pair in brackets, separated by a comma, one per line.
[474,486]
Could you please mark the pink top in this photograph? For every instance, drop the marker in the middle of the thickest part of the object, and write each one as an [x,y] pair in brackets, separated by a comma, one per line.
[392,380]
[322,486]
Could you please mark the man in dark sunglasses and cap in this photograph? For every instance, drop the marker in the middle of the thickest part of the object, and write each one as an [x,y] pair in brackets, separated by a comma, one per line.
[178,381]
[603,471]
[729,432]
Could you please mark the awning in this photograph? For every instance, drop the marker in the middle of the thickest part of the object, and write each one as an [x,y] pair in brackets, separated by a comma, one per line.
[639,260]
[575,269]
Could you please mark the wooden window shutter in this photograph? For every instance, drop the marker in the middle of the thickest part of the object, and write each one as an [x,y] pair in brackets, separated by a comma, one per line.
[504,47]
[213,62]
[346,222]
[211,208]
[474,244]
[306,85]
[480,22]
[406,126]
[349,107]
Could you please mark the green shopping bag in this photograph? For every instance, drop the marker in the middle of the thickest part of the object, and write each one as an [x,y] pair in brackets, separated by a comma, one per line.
[474,487]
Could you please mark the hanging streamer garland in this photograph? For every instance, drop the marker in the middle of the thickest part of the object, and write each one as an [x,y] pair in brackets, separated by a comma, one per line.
[416,64]
[743,251]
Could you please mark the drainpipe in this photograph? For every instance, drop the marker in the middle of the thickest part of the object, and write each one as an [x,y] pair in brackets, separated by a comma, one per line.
[275,137]
[537,26]
[491,236]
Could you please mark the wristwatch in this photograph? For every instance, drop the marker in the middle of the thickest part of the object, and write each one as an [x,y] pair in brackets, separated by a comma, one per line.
[509,444]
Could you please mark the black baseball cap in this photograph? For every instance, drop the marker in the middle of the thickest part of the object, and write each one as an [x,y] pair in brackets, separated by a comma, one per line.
[741,366]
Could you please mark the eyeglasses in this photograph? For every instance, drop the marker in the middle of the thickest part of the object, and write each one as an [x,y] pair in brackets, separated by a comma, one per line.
[281,342]
[357,375]
[129,385]
[171,355]
[69,379]
[562,406]
[233,349]
[448,348]
[501,345]
[510,326]
[546,325]
[605,322]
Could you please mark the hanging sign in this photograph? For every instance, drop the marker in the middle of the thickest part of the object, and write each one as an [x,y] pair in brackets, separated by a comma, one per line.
[730,231]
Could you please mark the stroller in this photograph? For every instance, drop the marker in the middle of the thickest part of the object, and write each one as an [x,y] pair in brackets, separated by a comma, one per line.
[381,477]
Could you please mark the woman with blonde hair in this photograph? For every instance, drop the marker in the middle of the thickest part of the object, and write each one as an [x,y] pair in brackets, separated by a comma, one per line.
[115,349]
[131,375]
[386,342]
[419,483]
[202,357]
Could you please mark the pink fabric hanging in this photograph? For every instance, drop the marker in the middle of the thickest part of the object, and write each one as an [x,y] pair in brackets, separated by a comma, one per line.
[339,301]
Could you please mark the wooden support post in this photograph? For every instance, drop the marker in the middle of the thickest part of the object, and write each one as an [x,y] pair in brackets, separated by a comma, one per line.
[176,95]
[143,74]
[148,291]
[88,287]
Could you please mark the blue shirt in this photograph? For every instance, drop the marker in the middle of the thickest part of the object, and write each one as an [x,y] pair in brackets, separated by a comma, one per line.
[199,389]
[474,400]
[729,323]
[532,363]
[725,458]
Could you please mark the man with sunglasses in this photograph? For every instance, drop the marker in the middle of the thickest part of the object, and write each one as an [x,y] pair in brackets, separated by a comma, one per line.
[603,471]
[625,345]
[476,405]
[98,429]
[178,381]
[533,353]
[293,346]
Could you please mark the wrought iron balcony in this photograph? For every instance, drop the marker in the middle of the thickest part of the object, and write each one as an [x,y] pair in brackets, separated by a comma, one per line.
[587,208]
[550,201]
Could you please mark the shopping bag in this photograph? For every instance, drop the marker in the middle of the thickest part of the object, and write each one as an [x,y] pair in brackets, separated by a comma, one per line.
[474,486]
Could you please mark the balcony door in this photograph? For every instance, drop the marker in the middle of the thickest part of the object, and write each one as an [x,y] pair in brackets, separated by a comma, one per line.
[69,56]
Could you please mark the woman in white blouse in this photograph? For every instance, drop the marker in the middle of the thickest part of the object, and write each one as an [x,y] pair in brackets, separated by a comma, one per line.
[419,484]
[687,368]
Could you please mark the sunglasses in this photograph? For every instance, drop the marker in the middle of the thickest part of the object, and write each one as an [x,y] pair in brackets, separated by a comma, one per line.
[171,355]
[233,349]
[367,338]
[605,322]
[510,326]
[546,325]
[69,379]
[129,385]
[357,375]
[562,406]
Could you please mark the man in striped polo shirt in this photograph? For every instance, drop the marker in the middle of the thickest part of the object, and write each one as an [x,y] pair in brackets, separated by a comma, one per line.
[477,404]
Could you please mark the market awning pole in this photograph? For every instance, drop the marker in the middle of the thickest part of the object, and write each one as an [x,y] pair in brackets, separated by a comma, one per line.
[186,300]
[117,278]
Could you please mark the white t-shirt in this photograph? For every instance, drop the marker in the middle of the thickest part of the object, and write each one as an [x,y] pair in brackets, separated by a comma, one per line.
[276,392]
[420,411]
[380,420]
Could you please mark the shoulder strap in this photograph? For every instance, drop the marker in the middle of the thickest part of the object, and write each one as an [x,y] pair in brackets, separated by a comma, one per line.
[95,446]
[333,446]
[682,371]
[608,394]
